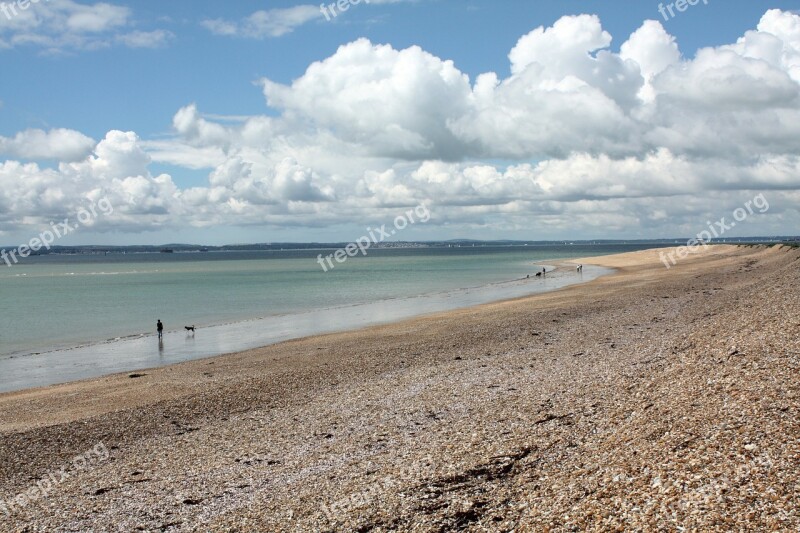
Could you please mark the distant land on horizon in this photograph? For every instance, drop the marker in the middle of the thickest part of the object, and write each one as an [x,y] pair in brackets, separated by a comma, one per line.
[287,246]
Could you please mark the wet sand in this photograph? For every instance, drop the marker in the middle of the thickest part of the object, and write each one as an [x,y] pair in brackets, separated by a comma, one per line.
[649,399]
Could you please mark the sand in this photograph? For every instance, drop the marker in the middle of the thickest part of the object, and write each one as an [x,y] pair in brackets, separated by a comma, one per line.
[653,399]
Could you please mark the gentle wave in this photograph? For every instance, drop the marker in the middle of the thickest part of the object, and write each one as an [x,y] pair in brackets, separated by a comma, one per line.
[79,274]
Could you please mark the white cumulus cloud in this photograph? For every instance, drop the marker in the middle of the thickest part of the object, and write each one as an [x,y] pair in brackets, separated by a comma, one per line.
[579,139]
[58,144]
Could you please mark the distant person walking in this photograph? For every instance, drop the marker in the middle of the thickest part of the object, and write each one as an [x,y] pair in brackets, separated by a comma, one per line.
[160,328]
[544,272]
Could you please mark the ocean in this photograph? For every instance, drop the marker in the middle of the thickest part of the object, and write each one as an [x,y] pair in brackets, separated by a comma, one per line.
[70,317]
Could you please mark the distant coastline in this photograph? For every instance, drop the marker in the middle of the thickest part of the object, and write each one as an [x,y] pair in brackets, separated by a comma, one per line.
[455,243]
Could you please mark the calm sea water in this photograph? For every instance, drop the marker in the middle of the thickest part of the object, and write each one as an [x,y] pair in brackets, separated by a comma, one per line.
[54,303]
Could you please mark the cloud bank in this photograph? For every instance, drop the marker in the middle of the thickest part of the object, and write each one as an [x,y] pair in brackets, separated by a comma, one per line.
[578,140]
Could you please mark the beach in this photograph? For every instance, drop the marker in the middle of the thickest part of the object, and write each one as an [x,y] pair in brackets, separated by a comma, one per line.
[650,399]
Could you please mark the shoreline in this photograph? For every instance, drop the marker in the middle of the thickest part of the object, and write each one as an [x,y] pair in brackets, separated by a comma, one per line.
[100,342]
[615,265]
[642,400]
[257,288]
[143,352]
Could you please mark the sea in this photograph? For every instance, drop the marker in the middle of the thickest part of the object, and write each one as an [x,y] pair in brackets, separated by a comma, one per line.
[69,317]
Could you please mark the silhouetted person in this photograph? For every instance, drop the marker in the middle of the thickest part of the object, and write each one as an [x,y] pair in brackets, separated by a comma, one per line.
[160,328]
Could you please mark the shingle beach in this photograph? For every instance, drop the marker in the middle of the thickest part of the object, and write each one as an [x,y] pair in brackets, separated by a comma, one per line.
[652,399]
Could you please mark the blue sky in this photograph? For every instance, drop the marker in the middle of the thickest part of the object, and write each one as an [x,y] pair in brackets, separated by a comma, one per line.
[323,172]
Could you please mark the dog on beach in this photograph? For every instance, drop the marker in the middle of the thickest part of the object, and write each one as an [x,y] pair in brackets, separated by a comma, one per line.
[189,328]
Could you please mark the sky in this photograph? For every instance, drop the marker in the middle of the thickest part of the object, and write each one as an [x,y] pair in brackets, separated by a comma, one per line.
[206,122]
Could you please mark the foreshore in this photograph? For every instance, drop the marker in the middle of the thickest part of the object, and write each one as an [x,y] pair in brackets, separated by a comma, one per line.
[651,399]
[93,359]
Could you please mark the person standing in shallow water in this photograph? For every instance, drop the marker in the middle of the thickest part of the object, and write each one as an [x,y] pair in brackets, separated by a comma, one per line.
[160,328]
